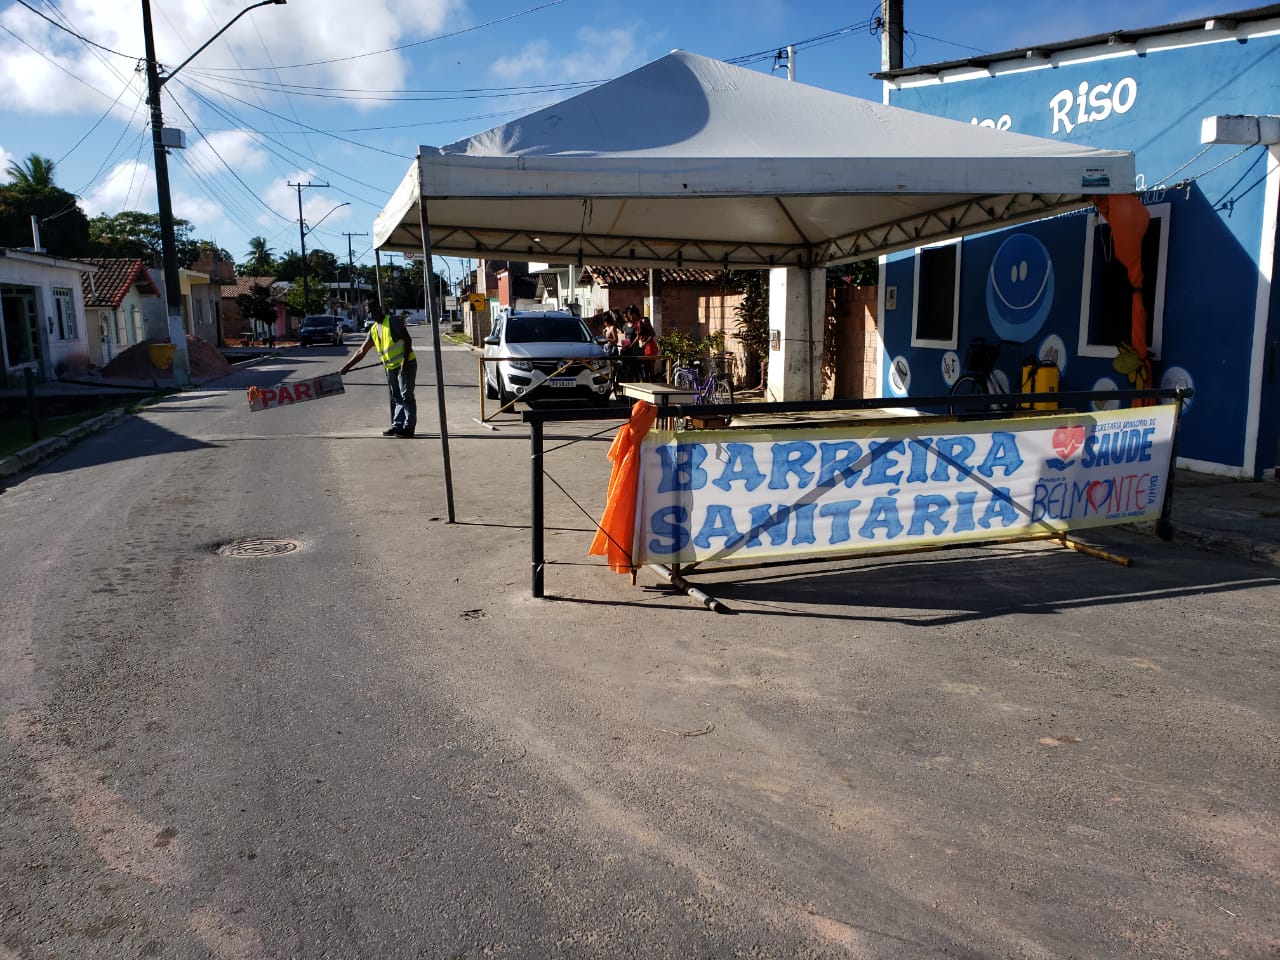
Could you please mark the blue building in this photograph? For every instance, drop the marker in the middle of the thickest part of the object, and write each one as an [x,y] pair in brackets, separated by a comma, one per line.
[1196,102]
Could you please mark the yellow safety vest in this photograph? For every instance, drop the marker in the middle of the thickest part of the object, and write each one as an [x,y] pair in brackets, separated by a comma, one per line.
[390,351]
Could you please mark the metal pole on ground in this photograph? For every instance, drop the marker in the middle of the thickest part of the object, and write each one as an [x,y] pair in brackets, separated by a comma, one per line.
[427,276]
[29,378]
[536,520]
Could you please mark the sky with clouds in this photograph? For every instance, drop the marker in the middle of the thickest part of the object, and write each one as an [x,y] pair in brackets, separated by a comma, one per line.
[342,93]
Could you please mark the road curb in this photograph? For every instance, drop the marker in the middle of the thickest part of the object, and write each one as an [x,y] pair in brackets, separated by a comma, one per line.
[1215,541]
[28,457]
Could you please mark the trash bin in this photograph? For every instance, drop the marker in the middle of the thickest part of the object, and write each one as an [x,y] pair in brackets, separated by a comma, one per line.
[161,355]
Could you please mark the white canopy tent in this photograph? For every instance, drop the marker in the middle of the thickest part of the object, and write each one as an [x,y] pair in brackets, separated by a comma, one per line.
[689,161]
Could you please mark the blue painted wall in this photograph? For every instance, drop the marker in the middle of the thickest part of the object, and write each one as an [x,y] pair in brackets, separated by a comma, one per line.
[1152,105]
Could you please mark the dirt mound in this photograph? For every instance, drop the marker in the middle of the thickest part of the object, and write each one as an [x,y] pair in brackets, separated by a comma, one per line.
[135,363]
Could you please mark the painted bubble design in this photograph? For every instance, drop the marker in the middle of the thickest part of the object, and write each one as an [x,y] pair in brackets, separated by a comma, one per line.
[1019,288]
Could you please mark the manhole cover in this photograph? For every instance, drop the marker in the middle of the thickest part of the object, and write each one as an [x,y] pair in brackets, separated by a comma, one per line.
[257,547]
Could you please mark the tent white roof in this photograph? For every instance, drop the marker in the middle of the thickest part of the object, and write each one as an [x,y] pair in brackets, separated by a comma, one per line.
[689,161]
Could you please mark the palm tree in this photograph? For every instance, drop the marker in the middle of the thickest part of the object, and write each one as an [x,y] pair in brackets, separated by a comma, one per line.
[34,172]
[262,261]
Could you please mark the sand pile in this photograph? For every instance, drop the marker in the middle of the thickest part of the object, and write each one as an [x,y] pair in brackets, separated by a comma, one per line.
[135,363]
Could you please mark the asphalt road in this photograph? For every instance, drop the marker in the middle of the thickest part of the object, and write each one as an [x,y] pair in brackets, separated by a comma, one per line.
[379,746]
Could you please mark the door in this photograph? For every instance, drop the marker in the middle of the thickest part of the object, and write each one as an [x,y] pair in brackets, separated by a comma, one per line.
[21,332]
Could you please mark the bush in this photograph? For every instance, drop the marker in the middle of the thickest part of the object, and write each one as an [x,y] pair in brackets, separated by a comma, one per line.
[684,349]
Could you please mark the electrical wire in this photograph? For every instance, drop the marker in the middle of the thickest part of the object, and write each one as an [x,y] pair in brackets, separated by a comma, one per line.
[106,159]
[763,55]
[395,126]
[214,150]
[79,36]
[962,46]
[344,93]
[45,56]
[403,46]
[272,113]
[260,137]
[104,116]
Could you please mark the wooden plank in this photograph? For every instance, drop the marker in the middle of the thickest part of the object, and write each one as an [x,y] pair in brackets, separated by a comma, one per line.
[295,391]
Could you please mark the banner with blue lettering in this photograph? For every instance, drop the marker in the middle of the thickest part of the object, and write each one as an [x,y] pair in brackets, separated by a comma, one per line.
[753,494]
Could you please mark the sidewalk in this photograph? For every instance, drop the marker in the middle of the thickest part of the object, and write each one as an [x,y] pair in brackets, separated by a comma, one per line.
[1237,517]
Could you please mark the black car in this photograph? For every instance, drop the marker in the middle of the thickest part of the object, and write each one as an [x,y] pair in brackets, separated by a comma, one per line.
[320,328]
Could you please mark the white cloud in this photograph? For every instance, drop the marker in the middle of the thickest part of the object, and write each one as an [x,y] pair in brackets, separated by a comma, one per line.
[44,79]
[598,55]
[132,186]
[238,149]
[129,186]
[6,158]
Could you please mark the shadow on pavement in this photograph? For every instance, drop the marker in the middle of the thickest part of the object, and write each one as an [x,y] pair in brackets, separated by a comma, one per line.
[983,584]
[145,439]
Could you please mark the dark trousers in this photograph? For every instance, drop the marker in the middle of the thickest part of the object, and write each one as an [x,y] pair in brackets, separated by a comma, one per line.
[404,406]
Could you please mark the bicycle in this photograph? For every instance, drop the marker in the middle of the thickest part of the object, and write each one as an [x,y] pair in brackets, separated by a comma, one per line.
[982,378]
[707,388]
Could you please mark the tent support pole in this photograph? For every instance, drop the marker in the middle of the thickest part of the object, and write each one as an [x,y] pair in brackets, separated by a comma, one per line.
[428,277]
[377,271]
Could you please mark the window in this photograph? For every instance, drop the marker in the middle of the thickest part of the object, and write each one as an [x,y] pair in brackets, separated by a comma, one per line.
[936,303]
[136,313]
[64,308]
[1106,301]
[122,328]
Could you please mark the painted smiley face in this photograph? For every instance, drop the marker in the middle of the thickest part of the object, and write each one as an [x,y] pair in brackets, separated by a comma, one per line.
[1019,288]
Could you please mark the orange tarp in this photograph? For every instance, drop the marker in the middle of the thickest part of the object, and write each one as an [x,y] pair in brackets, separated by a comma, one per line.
[1128,219]
[617,532]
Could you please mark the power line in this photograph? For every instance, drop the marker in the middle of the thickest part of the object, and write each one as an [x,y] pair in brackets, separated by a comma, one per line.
[963,46]
[354,143]
[762,55]
[79,36]
[261,137]
[214,150]
[403,46]
[45,56]
[104,116]
[344,93]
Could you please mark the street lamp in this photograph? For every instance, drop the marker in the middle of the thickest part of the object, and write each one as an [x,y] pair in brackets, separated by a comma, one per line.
[168,244]
[302,239]
[449,273]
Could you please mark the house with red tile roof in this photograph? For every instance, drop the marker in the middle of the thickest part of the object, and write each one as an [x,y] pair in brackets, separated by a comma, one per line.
[117,296]
[234,323]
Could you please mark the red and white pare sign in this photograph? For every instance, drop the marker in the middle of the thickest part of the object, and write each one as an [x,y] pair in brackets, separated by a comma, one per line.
[296,391]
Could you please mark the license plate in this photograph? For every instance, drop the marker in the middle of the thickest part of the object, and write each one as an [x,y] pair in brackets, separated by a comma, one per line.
[562,382]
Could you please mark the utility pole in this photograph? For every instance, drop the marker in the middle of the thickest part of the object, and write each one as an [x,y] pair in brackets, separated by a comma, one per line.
[351,268]
[789,54]
[168,243]
[302,241]
[890,34]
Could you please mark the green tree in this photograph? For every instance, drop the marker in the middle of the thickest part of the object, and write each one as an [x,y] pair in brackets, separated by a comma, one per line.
[261,261]
[289,266]
[751,319]
[35,172]
[134,234]
[315,297]
[64,229]
[323,264]
[864,273]
[256,306]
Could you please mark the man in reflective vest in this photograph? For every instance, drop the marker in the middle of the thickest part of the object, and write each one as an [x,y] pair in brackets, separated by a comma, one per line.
[390,338]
